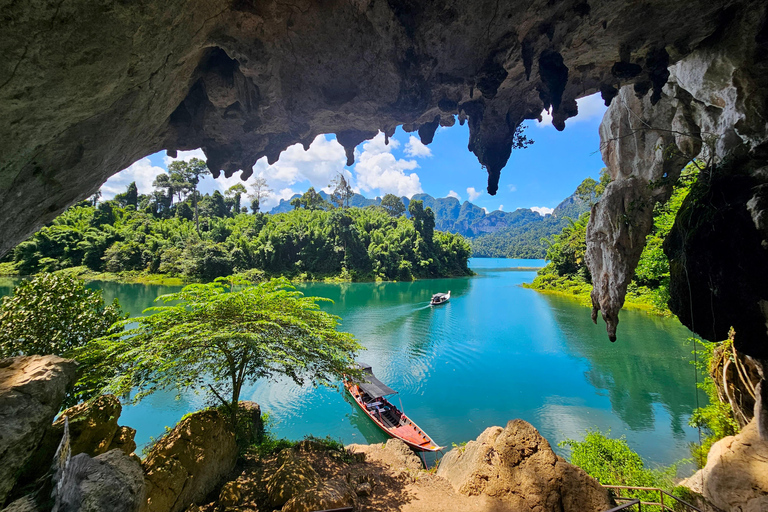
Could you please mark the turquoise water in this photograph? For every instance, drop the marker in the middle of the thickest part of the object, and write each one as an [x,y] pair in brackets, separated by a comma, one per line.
[495,352]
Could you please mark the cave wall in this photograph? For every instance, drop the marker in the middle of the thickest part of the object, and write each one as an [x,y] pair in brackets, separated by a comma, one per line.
[88,87]
[714,107]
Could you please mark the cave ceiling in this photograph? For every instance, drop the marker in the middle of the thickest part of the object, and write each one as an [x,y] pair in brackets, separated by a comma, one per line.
[87,88]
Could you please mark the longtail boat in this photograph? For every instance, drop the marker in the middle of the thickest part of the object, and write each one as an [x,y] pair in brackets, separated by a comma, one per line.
[370,395]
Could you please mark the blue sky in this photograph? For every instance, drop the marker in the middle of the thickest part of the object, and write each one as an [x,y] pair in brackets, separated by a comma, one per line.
[537,177]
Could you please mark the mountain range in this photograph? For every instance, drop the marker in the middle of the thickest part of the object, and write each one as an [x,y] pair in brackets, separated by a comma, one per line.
[498,234]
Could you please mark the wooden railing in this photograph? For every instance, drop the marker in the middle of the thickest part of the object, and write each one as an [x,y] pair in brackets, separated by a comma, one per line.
[659,505]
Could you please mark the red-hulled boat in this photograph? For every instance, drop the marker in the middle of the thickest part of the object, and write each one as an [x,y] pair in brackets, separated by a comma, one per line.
[370,396]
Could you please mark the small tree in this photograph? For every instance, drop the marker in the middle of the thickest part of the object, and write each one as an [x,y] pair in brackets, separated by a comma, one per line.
[220,336]
[342,191]
[393,204]
[185,176]
[310,200]
[235,192]
[260,191]
[53,314]
[132,195]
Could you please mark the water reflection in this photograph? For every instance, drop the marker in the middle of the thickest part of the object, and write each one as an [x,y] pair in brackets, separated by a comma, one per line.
[640,370]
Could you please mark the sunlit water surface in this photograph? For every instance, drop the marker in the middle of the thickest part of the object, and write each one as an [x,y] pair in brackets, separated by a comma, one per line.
[495,352]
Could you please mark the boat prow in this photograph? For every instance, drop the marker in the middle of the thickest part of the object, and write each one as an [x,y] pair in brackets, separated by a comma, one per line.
[370,396]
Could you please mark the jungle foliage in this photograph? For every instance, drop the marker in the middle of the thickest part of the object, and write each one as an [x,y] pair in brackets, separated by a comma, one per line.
[163,234]
[53,314]
[567,271]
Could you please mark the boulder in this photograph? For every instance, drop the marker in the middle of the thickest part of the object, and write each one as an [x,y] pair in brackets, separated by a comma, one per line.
[328,495]
[93,430]
[32,389]
[736,474]
[517,465]
[243,492]
[112,481]
[189,461]
[292,478]
[92,425]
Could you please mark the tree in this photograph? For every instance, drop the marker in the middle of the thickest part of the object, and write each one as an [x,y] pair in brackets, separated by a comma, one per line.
[220,336]
[260,191]
[132,195]
[423,219]
[393,204]
[186,176]
[310,200]
[342,191]
[235,192]
[53,314]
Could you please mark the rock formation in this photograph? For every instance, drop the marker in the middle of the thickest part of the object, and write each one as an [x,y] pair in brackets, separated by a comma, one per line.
[189,462]
[111,481]
[517,465]
[85,90]
[714,107]
[32,389]
[93,430]
[735,477]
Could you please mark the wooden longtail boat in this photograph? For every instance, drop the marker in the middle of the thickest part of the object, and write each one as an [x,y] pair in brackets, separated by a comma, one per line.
[370,397]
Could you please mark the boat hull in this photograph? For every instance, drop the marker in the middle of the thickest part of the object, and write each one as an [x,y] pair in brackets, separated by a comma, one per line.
[407,431]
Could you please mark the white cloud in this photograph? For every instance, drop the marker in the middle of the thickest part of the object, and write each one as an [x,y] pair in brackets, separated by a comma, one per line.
[454,194]
[472,193]
[501,208]
[542,210]
[590,107]
[185,155]
[485,210]
[318,165]
[512,188]
[377,168]
[142,172]
[415,148]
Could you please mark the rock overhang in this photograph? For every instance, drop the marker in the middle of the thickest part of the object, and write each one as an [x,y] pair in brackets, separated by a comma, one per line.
[87,90]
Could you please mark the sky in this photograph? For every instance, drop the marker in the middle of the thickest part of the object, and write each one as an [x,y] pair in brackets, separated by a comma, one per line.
[538,177]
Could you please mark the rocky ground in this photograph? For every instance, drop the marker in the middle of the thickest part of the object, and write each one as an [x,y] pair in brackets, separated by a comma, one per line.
[199,467]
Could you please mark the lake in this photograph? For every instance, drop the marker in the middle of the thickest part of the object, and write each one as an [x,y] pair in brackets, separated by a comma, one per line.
[496,351]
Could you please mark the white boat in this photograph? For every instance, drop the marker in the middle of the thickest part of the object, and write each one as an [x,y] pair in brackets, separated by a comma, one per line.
[440,298]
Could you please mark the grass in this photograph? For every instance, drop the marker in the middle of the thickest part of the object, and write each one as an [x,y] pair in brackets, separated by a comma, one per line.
[577,289]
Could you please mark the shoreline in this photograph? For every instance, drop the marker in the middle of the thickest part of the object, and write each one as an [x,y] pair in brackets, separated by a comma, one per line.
[139,277]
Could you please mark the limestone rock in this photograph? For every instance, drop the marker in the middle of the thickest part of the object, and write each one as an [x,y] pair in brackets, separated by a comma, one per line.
[25,504]
[93,426]
[736,474]
[86,92]
[708,110]
[293,477]
[32,389]
[111,481]
[93,430]
[189,462]
[328,495]
[517,465]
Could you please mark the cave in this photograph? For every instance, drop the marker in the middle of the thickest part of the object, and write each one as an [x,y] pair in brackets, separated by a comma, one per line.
[86,89]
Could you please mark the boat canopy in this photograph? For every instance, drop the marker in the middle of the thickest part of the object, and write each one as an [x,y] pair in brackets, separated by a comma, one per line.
[372,385]
[439,295]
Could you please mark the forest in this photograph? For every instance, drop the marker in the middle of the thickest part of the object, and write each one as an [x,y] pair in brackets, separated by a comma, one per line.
[566,271]
[177,232]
